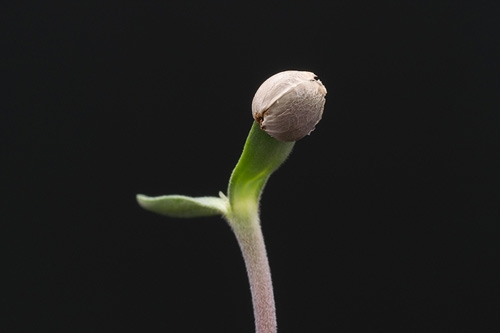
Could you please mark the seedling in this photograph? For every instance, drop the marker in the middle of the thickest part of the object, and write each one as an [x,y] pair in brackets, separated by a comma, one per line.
[286,107]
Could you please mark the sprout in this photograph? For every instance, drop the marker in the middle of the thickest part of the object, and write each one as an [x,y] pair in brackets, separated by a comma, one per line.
[288,105]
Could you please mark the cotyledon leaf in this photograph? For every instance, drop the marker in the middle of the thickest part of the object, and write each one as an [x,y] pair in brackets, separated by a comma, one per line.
[184,206]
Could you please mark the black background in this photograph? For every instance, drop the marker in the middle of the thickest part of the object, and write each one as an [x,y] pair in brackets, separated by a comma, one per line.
[385,219]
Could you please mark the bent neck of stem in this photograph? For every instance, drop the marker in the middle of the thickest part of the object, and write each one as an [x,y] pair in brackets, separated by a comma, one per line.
[261,156]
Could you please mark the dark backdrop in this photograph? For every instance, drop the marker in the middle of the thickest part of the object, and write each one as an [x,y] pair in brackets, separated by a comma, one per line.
[385,219]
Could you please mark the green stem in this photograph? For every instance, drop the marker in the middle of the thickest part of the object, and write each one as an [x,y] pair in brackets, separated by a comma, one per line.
[261,156]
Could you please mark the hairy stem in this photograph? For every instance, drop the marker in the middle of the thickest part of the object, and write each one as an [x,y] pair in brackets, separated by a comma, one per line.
[251,242]
[261,156]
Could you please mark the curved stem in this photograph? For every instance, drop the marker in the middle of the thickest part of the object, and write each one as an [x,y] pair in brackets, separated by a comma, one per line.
[261,156]
[251,241]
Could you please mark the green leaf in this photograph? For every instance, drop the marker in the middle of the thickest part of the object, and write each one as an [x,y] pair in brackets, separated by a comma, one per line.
[261,156]
[184,206]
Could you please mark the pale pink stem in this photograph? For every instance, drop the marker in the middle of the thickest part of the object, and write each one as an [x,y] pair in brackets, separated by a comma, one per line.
[251,241]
